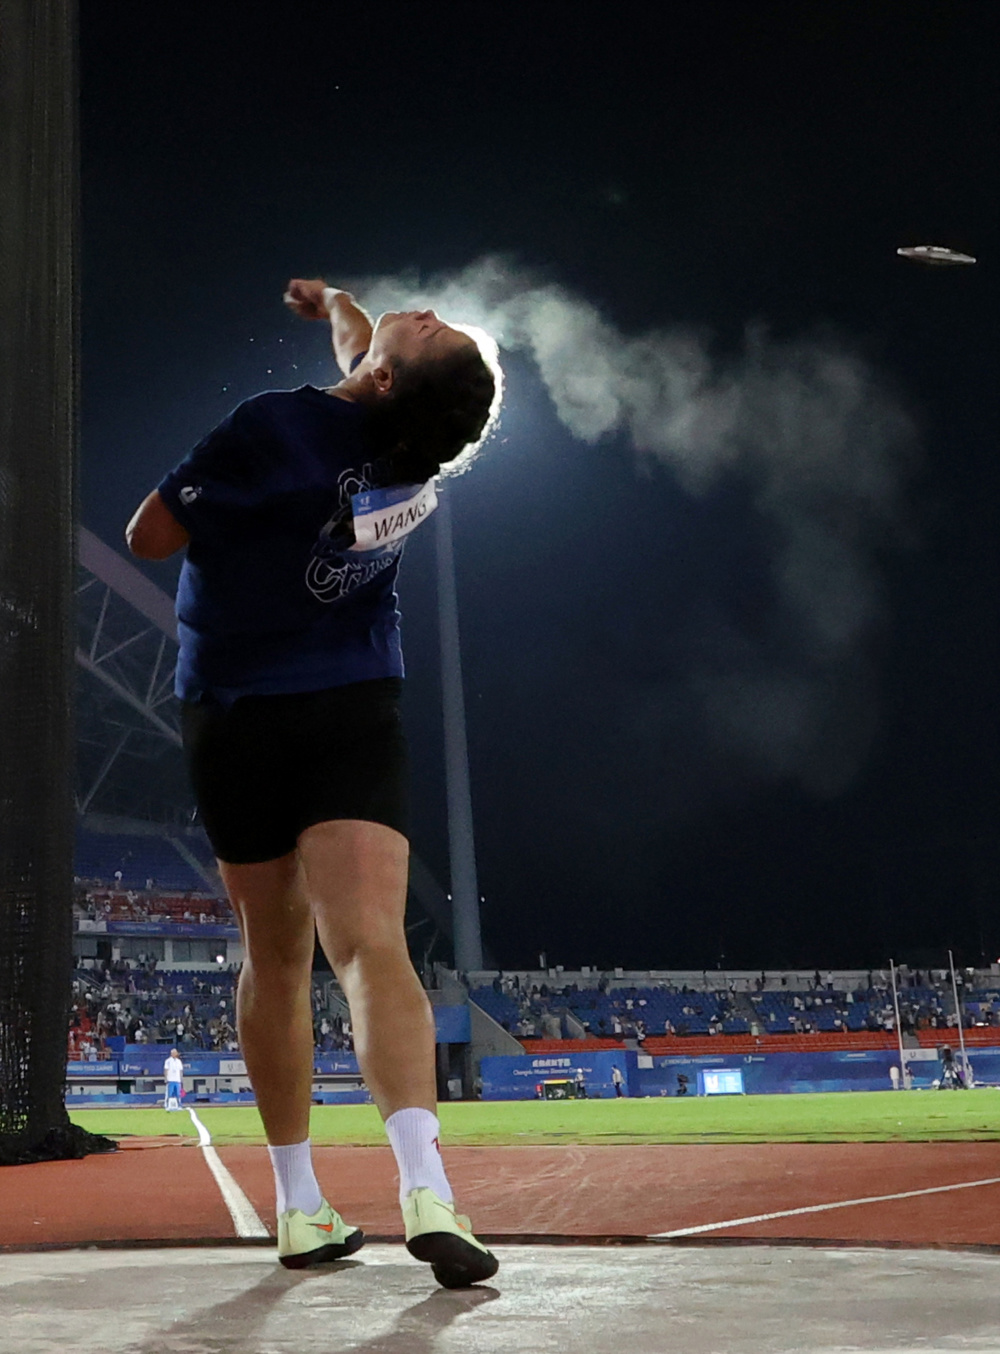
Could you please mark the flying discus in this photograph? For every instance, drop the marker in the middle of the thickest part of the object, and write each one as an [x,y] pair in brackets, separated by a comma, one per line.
[933,253]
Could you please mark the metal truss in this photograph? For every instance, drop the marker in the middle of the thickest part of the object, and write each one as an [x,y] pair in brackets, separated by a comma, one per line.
[126,654]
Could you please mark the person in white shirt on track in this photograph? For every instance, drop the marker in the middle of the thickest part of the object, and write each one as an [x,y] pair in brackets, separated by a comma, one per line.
[173,1071]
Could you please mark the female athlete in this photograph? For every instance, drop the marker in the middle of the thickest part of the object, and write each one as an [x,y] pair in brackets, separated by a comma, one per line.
[294,512]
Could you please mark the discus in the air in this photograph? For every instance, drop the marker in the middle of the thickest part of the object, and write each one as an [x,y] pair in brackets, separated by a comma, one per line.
[933,253]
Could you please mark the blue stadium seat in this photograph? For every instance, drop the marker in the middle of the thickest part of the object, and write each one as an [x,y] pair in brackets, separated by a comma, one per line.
[139,856]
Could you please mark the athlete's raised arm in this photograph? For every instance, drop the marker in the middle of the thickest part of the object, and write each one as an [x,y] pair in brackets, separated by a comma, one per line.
[351,327]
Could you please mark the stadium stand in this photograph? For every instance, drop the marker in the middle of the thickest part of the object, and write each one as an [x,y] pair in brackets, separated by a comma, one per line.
[144,876]
[134,1002]
[593,1011]
[131,860]
[102,903]
[499,1005]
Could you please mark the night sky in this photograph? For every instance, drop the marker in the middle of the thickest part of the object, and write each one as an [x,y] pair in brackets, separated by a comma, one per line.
[746,717]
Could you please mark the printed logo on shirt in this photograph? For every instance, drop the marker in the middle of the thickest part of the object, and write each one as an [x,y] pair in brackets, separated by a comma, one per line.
[189,493]
[365,535]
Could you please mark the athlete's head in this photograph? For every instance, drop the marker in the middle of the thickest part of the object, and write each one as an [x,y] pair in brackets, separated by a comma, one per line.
[436,391]
[173,1053]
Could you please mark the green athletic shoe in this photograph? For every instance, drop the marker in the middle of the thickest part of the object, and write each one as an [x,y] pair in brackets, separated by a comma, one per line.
[438,1235]
[313,1239]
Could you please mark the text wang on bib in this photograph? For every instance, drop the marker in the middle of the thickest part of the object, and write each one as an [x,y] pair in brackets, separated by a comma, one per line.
[382,517]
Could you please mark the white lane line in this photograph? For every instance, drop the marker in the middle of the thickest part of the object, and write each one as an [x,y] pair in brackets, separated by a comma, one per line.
[822,1208]
[204,1137]
[241,1210]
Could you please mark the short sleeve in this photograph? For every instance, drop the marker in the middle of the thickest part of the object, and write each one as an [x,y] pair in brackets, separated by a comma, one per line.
[223,475]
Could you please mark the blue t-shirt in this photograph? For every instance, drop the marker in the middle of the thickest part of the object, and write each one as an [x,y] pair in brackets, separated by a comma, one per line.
[271,596]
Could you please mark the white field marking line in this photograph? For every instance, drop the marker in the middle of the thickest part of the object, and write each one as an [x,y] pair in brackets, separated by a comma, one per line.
[241,1210]
[822,1208]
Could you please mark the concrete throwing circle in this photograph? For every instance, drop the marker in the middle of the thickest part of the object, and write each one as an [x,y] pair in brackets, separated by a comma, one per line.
[649,1299]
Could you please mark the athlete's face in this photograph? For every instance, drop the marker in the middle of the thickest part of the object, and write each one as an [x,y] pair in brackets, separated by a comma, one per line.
[412,336]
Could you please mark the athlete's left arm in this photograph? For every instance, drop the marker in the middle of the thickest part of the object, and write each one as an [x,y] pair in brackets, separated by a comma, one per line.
[154,532]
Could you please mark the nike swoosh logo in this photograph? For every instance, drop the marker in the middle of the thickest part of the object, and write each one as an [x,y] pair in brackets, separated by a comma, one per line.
[324,1226]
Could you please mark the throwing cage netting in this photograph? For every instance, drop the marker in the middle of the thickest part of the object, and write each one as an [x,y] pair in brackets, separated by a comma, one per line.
[38,403]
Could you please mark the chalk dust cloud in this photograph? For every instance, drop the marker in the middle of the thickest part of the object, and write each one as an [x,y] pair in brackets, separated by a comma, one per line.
[807,423]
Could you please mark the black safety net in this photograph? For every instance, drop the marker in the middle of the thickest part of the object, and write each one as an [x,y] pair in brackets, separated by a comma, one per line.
[38,404]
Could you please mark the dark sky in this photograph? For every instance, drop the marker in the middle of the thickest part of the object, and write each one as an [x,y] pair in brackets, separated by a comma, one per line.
[702,169]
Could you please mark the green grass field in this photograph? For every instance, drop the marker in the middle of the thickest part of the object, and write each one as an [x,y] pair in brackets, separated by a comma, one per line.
[873,1116]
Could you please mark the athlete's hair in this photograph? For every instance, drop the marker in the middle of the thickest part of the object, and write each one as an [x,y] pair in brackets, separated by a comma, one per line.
[439,413]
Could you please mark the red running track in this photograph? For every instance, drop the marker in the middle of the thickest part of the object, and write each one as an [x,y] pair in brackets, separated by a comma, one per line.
[160,1192]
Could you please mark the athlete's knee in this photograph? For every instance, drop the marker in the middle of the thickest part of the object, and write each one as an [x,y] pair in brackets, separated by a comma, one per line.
[281,957]
[372,950]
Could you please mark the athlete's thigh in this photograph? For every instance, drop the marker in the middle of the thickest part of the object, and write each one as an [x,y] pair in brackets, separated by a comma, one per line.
[272,909]
[356,876]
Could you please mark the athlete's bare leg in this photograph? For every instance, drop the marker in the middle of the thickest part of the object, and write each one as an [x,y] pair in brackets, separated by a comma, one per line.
[356,876]
[273,1000]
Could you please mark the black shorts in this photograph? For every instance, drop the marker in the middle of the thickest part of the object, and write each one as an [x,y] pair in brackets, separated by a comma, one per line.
[267,767]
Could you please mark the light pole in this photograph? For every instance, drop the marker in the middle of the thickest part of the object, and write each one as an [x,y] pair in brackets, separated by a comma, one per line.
[461,839]
[966,1068]
[903,1064]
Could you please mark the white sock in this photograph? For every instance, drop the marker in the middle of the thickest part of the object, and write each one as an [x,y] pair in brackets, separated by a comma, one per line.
[413,1135]
[294,1180]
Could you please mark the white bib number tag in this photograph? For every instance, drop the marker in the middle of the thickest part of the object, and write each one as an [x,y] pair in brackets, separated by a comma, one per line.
[382,517]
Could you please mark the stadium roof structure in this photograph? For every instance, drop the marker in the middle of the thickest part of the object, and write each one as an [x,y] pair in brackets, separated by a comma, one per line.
[129,757]
[128,735]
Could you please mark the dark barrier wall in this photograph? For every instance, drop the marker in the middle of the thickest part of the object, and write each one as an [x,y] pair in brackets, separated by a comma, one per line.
[763,1073]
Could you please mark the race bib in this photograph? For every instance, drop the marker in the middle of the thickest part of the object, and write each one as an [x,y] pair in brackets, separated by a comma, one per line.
[382,517]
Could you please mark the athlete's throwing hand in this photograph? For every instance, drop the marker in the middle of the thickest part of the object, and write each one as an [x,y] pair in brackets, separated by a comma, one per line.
[305,297]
